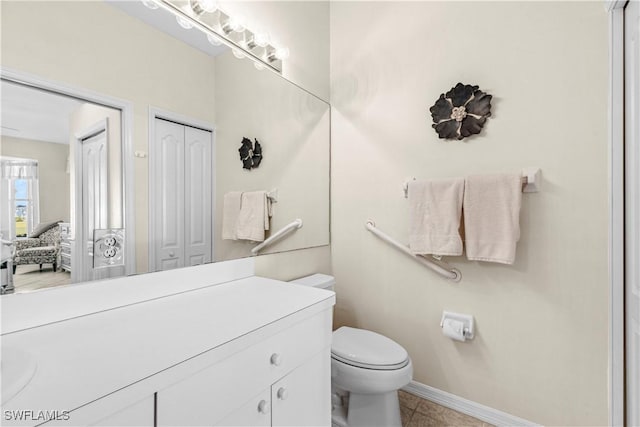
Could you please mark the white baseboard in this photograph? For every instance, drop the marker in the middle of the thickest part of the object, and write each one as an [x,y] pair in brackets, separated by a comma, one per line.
[468,407]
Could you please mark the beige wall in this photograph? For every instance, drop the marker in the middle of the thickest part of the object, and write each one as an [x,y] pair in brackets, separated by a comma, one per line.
[52,171]
[541,347]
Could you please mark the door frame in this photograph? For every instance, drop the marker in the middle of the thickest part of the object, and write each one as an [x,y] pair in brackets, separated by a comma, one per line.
[617,231]
[158,113]
[77,274]
[126,118]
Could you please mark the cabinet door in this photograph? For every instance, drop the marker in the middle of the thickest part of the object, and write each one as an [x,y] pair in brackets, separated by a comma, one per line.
[303,398]
[139,414]
[256,412]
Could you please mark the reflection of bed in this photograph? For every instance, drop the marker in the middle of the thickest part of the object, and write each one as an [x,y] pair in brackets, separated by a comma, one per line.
[41,247]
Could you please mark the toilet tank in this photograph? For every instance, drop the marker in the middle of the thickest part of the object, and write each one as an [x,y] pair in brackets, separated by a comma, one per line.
[322,281]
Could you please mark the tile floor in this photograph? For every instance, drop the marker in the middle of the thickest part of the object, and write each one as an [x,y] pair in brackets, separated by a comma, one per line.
[418,412]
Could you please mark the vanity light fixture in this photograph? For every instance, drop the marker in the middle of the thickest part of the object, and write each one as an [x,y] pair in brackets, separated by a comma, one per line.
[214,40]
[279,53]
[233,24]
[150,4]
[260,38]
[222,28]
[184,22]
[201,6]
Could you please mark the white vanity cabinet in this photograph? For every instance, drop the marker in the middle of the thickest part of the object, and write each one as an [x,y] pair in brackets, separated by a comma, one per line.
[140,414]
[253,351]
[299,399]
[285,376]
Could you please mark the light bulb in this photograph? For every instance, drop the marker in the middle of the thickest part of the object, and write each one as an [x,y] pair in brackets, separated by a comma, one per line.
[234,23]
[282,53]
[214,40]
[200,6]
[150,4]
[261,38]
[237,53]
[259,66]
[184,22]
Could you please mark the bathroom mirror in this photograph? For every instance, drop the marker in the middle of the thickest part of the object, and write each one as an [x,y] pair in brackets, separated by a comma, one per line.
[162,87]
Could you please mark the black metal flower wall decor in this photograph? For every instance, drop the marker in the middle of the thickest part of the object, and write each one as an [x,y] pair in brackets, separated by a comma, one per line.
[461,112]
[250,154]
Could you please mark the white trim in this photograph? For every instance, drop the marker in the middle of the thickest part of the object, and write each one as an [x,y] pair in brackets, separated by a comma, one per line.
[126,108]
[616,213]
[468,407]
[158,113]
[611,5]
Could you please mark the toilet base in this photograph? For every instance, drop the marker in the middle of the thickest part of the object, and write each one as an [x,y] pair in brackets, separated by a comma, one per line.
[368,410]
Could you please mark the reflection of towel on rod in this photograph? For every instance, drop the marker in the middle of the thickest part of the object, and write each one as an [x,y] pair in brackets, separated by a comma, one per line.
[253,218]
[435,208]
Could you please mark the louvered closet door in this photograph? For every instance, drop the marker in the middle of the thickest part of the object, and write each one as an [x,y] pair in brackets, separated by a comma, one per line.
[198,166]
[169,195]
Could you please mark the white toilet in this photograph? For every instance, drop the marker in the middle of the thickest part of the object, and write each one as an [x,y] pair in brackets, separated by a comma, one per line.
[367,369]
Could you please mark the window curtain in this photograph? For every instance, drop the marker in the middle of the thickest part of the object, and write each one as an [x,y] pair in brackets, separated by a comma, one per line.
[14,168]
[11,169]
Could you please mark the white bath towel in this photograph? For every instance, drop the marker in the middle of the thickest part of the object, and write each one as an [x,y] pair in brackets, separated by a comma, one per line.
[492,217]
[230,212]
[434,216]
[253,218]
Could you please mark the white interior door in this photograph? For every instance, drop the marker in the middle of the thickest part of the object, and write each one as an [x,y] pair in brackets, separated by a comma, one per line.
[182,212]
[95,196]
[198,184]
[168,237]
[632,210]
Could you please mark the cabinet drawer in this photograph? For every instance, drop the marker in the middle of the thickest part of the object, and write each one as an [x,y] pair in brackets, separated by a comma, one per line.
[213,393]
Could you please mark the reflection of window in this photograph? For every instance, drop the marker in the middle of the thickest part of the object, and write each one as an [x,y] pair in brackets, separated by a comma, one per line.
[24,206]
[20,196]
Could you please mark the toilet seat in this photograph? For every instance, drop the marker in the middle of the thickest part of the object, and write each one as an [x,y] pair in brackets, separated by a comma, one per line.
[367,349]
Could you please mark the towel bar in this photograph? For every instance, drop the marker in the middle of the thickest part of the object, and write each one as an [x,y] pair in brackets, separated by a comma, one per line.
[278,235]
[530,181]
[439,267]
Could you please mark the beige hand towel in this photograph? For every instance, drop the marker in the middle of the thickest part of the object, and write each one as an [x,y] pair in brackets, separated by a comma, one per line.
[492,217]
[253,218]
[230,212]
[434,216]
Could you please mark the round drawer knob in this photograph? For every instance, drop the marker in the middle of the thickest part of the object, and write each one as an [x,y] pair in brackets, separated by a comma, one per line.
[276,359]
[172,254]
[263,407]
[282,393]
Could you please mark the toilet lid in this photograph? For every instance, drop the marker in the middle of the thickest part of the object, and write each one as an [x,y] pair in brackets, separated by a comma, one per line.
[366,349]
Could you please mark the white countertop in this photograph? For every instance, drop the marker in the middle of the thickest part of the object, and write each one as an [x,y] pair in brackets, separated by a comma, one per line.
[85,358]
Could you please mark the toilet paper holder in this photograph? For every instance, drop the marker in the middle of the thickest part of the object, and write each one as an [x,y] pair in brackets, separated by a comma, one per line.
[457,326]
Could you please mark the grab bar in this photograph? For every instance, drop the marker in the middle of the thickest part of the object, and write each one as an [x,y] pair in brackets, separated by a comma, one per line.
[283,231]
[441,267]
